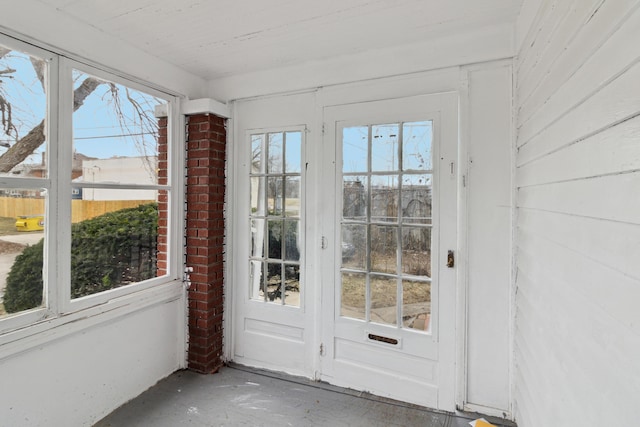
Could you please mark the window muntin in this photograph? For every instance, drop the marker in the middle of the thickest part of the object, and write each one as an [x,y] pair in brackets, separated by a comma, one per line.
[386,223]
[276,217]
[45,178]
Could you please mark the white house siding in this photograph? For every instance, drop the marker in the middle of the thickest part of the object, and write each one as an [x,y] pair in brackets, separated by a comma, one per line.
[131,170]
[577,330]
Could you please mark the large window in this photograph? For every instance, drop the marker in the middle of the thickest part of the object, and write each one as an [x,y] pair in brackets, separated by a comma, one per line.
[86,189]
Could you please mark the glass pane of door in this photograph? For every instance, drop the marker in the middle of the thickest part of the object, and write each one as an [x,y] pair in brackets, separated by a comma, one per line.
[275,218]
[386,224]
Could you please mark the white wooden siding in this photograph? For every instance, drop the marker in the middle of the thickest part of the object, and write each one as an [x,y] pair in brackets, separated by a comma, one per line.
[577,333]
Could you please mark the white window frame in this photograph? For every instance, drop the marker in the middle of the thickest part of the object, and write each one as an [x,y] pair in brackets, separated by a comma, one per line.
[58,308]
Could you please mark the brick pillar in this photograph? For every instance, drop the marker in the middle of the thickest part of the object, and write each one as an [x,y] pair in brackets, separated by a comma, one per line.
[162,197]
[206,146]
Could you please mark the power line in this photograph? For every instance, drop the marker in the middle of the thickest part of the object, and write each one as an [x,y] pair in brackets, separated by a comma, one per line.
[113,136]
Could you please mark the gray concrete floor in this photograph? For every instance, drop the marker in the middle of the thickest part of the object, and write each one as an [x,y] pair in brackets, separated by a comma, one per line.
[241,396]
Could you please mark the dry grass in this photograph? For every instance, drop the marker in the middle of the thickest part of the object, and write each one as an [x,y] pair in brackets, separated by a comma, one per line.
[10,247]
[383,292]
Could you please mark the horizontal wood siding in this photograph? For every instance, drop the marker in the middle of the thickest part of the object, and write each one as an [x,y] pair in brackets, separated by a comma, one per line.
[577,331]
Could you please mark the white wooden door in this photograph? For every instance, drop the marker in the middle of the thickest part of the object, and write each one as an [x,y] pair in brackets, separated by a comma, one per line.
[389,169]
[270,310]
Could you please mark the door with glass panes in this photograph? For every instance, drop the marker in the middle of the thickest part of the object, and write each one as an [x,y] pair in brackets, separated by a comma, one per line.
[270,311]
[388,276]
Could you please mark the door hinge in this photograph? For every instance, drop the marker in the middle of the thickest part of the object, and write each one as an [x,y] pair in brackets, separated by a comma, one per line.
[323,128]
[321,349]
[323,243]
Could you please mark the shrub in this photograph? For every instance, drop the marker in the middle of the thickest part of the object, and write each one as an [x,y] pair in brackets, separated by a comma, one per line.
[108,251]
[24,281]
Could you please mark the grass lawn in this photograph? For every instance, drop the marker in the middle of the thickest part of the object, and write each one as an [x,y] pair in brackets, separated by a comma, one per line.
[7,226]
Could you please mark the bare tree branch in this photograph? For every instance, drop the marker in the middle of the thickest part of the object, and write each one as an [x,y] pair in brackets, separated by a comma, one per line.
[23,148]
[5,112]
[84,90]
[26,145]
[5,106]
[38,66]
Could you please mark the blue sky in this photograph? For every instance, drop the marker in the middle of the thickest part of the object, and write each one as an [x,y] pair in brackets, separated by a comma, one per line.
[416,141]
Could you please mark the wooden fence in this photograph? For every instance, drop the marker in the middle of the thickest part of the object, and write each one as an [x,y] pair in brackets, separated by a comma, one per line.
[12,207]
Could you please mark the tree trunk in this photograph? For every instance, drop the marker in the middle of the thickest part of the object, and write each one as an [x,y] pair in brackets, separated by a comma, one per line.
[23,148]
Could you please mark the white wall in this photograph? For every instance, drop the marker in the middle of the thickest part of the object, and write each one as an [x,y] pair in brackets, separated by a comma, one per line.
[577,337]
[79,372]
[487,126]
[465,48]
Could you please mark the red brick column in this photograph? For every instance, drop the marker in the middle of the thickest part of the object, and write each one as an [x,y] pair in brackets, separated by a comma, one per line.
[206,150]
[162,197]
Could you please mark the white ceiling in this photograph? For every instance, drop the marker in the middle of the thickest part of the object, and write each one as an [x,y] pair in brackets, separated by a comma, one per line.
[218,38]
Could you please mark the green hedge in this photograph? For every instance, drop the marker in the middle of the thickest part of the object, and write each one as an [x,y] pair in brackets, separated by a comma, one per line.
[108,251]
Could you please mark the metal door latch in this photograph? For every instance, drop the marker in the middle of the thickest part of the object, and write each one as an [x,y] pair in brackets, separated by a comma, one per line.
[451,261]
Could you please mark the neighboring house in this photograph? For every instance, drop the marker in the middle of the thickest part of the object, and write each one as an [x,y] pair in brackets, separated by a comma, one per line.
[139,170]
[39,170]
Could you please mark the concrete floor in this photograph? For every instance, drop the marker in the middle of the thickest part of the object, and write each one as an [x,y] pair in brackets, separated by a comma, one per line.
[241,396]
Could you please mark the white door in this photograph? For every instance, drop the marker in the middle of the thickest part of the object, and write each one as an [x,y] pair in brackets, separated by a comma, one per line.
[389,171]
[271,316]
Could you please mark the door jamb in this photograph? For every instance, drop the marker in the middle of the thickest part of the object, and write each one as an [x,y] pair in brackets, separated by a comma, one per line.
[462,243]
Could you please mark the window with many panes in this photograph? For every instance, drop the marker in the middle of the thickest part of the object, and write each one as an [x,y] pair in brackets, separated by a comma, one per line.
[386,224]
[86,189]
[275,218]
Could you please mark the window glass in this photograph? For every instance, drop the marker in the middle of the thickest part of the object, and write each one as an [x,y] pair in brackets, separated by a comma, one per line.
[23,203]
[114,133]
[386,224]
[114,236]
[111,202]
[23,106]
[22,224]
[275,219]
[416,145]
